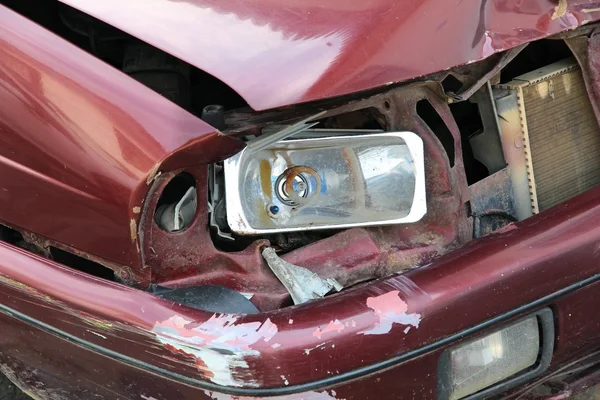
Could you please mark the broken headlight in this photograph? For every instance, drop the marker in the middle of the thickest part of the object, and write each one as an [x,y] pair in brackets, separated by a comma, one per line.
[326,182]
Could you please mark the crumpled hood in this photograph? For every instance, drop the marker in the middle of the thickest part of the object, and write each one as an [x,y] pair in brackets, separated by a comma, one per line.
[281,52]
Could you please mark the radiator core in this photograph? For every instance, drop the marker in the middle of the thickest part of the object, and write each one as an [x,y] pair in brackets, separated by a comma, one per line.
[549,126]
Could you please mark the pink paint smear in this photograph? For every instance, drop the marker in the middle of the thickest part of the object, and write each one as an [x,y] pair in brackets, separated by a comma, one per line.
[390,309]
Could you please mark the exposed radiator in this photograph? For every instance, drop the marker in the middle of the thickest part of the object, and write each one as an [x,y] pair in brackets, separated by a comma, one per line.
[550,135]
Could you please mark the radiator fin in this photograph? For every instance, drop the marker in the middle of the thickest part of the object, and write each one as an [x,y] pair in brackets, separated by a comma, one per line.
[561,137]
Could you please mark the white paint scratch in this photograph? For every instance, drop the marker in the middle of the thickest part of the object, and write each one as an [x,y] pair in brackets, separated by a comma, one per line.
[220,345]
[303,396]
[97,334]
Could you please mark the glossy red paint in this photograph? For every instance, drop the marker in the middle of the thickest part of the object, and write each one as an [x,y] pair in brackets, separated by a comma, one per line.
[516,266]
[276,53]
[79,140]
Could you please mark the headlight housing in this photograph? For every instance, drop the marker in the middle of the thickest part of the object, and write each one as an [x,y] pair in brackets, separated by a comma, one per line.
[336,181]
[498,360]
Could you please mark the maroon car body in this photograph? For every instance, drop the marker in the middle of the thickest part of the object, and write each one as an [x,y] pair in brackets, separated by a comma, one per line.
[85,150]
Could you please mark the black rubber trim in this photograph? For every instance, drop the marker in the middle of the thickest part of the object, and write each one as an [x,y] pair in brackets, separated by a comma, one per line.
[318,384]
[545,319]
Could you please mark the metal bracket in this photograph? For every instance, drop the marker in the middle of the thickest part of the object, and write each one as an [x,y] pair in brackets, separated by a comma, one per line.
[303,284]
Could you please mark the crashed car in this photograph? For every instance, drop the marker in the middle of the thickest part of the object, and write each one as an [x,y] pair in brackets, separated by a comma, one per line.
[339,199]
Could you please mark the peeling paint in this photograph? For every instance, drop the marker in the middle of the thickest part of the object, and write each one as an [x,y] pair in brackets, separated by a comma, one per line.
[153,174]
[333,326]
[284,379]
[390,309]
[325,395]
[137,210]
[219,345]
[560,10]
[133,230]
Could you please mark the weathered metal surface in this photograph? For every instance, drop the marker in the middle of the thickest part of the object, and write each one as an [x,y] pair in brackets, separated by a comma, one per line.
[81,141]
[511,135]
[492,203]
[303,284]
[487,145]
[277,53]
[189,257]
[361,254]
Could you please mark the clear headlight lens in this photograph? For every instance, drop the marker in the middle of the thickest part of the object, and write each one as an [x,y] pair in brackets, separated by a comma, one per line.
[481,363]
[329,182]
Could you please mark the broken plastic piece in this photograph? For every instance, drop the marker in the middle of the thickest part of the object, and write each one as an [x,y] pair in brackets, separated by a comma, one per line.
[267,140]
[303,284]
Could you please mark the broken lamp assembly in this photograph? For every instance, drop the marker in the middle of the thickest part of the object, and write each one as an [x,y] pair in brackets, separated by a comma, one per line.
[336,181]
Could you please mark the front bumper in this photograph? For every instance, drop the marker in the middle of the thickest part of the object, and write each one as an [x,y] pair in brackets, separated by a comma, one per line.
[73,332]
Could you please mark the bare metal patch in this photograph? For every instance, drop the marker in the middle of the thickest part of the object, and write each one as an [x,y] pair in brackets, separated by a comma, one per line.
[133,230]
[560,10]
[325,395]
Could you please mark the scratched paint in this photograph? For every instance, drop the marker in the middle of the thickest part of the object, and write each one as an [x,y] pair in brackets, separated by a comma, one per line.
[390,309]
[319,346]
[220,346]
[333,326]
[325,395]
[560,10]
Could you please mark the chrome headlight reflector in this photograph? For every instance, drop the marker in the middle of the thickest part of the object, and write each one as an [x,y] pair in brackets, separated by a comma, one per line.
[326,183]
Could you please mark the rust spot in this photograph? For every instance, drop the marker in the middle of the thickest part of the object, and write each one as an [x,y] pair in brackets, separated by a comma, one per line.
[137,210]
[153,174]
[265,177]
[126,274]
[133,230]
[560,10]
